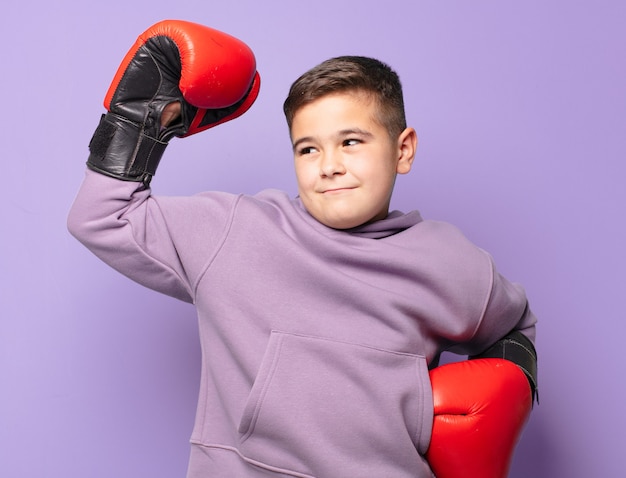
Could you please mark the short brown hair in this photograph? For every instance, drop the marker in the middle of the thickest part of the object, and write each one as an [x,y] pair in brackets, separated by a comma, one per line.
[351,73]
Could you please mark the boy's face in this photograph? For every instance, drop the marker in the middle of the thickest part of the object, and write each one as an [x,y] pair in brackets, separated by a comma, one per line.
[345,160]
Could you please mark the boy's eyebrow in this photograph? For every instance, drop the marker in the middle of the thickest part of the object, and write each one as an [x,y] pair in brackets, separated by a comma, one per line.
[340,134]
[349,131]
[300,141]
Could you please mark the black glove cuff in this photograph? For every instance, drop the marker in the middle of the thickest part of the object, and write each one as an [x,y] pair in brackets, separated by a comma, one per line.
[517,348]
[119,148]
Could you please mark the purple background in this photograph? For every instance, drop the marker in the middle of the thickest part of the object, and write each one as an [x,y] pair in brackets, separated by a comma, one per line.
[521,112]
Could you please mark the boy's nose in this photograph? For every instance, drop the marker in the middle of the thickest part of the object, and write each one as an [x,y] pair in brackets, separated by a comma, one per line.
[331,165]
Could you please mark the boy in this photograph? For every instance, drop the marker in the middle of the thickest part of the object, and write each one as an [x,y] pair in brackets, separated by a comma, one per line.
[319,316]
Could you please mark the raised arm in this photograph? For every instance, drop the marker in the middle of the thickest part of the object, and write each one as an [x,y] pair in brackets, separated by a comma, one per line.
[179,78]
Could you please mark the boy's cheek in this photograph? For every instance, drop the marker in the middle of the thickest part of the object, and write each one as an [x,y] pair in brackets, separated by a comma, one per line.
[304,179]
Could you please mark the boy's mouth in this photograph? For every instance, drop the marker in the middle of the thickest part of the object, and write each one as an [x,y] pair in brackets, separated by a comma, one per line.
[337,190]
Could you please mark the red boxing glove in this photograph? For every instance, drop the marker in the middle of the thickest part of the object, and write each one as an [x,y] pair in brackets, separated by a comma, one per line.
[481,407]
[211,75]
[214,71]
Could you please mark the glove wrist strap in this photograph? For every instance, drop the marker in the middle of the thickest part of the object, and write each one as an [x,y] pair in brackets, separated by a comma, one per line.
[121,149]
[517,348]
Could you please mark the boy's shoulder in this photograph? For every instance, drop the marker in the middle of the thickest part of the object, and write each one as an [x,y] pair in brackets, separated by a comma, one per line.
[442,239]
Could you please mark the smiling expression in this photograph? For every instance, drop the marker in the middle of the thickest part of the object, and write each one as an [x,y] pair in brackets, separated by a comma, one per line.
[345,160]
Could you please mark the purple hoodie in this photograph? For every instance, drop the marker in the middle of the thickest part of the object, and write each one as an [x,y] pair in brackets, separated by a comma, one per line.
[316,342]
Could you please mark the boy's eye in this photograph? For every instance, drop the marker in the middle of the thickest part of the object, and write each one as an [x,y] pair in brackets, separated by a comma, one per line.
[306,150]
[351,142]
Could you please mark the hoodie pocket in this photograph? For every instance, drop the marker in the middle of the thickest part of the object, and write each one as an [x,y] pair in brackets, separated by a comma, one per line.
[333,408]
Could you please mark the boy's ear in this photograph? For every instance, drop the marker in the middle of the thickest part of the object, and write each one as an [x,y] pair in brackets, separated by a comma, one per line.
[407,146]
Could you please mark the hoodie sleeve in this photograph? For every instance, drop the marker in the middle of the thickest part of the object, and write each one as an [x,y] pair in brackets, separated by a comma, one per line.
[161,243]
[506,309]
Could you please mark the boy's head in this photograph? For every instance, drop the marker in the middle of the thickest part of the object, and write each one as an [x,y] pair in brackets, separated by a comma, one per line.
[351,74]
[350,140]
